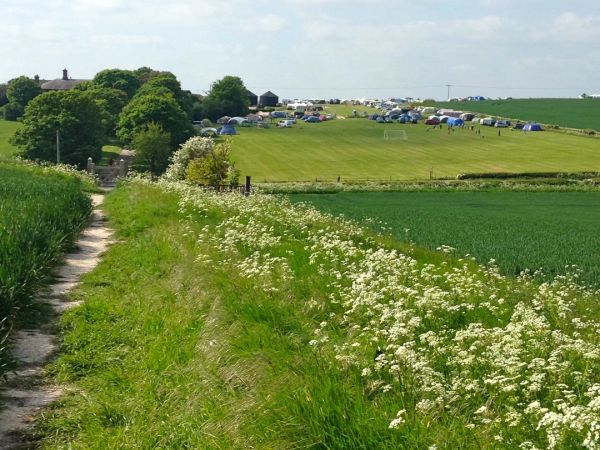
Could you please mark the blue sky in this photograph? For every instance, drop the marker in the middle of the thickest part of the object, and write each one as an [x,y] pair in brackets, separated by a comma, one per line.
[317,48]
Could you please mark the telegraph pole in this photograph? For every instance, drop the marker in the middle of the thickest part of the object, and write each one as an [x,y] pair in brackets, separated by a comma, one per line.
[57,146]
[448,86]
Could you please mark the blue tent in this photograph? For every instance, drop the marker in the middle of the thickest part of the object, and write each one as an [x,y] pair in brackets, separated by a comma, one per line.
[456,122]
[533,127]
[227,129]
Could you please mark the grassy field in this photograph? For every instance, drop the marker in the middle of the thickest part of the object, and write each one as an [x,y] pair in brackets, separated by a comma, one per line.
[7,129]
[519,230]
[565,112]
[220,321]
[40,211]
[354,149]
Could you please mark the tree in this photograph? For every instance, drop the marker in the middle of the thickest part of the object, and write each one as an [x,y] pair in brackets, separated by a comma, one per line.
[152,147]
[111,102]
[213,167]
[74,115]
[144,74]
[160,109]
[167,82]
[124,80]
[3,96]
[227,97]
[13,111]
[22,90]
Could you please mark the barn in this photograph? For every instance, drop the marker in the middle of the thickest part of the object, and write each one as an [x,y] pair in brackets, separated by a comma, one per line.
[268,99]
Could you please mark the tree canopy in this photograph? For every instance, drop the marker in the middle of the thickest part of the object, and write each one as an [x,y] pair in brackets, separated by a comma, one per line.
[19,92]
[152,147]
[124,80]
[227,97]
[158,108]
[78,120]
[164,82]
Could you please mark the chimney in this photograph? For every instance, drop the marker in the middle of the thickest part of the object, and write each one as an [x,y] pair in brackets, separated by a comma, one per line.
[65,74]
[36,78]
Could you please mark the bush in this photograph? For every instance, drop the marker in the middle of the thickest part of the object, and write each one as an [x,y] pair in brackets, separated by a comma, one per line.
[13,111]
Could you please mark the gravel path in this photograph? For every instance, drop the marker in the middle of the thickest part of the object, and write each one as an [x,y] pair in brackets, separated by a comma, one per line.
[25,392]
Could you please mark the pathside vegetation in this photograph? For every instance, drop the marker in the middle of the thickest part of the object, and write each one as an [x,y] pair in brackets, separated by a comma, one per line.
[221,321]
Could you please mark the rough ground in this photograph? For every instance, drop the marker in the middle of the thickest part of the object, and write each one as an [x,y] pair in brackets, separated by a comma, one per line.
[25,392]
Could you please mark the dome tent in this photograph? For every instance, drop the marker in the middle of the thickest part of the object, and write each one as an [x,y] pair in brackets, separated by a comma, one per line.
[227,129]
[533,127]
[456,122]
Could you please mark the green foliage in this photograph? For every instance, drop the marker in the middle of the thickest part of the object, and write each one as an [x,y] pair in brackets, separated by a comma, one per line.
[124,80]
[152,147]
[227,97]
[223,321]
[75,115]
[22,90]
[145,74]
[193,148]
[519,230]
[40,212]
[161,82]
[212,168]
[3,96]
[110,102]
[13,111]
[160,109]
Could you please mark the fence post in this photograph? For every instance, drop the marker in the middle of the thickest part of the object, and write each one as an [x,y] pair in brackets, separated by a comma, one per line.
[247,188]
[90,166]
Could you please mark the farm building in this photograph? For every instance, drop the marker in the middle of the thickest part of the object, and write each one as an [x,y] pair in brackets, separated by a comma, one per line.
[268,99]
[252,98]
[61,84]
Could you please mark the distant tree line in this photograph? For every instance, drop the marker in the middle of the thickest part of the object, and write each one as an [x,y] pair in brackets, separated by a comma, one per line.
[143,108]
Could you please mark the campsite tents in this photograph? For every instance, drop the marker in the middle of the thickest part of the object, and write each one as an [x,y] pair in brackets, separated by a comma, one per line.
[532,127]
[456,122]
[227,129]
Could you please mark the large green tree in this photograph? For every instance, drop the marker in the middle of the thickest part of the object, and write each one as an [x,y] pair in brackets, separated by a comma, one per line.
[152,147]
[3,96]
[74,115]
[168,81]
[111,102]
[227,97]
[124,80]
[161,109]
[21,90]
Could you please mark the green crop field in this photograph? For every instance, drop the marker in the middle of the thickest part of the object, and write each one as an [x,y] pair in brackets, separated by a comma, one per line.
[355,149]
[520,230]
[40,211]
[565,112]
[7,129]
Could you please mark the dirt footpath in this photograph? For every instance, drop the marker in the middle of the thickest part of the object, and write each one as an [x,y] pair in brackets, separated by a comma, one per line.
[25,392]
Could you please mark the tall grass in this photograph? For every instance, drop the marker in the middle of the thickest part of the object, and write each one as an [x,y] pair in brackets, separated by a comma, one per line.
[40,211]
[229,322]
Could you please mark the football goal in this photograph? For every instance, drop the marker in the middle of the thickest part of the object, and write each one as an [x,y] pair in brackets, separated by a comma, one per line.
[396,135]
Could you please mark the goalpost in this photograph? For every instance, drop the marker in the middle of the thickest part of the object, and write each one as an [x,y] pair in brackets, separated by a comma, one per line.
[397,135]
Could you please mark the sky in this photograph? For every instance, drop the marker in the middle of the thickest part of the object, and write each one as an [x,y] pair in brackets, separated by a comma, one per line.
[317,48]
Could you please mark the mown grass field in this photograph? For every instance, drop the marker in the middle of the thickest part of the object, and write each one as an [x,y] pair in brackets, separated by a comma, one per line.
[41,209]
[565,112]
[220,321]
[354,149]
[7,129]
[519,230]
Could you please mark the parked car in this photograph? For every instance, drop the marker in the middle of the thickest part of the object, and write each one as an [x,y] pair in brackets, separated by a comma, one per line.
[279,114]
[287,123]
[501,124]
[312,119]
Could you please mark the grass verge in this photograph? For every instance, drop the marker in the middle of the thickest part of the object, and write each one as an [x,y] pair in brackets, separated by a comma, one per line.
[228,322]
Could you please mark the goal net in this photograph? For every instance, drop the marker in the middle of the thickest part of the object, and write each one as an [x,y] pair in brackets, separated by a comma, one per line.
[397,135]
